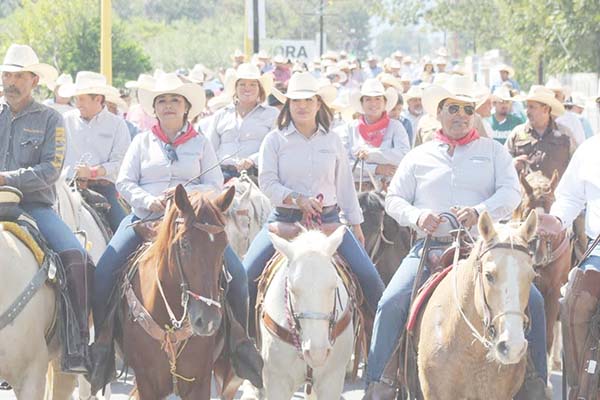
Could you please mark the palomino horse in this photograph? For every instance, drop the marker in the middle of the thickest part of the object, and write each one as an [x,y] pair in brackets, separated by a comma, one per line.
[307,296]
[552,256]
[247,214]
[386,242]
[471,336]
[173,308]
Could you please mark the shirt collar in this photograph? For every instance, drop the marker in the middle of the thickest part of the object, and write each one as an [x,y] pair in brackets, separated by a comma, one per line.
[549,129]
[98,118]
[291,128]
[32,107]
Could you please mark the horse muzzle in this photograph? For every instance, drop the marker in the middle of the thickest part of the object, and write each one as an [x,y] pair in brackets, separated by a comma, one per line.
[509,350]
[205,318]
[315,356]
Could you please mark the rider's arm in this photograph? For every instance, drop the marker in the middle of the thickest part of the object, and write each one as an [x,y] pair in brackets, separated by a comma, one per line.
[268,170]
[117,152]
[570,192]
[401,194]
[211,179]
[268,116]
[344,184]
[128,180]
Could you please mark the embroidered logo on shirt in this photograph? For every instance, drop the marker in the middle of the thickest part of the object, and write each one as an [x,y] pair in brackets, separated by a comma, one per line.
[34,131]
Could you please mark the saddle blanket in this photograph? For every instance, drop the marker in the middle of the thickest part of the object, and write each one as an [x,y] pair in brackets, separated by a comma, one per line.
[423,295]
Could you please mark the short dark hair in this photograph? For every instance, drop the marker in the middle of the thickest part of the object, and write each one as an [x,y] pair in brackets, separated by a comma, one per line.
[323,118]
[94,95]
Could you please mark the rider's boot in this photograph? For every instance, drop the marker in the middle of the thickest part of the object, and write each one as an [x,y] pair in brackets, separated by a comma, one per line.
[380,391]
[578,306]
[245,358]
[76,357]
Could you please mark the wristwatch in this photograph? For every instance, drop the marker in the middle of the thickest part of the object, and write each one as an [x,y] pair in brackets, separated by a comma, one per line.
[295,196]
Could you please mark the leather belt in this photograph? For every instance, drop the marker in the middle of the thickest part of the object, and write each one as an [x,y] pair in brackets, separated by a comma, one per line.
[295,212]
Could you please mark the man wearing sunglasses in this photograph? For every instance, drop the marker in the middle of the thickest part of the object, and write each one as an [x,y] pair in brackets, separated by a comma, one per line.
[457,172]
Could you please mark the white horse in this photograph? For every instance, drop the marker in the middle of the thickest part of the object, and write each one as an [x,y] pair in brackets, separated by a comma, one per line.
[307,290]
[247,214]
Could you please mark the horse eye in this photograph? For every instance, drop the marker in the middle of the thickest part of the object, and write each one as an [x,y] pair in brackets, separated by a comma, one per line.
[489,277]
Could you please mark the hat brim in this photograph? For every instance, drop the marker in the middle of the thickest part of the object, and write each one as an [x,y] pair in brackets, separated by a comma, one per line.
[194,94]
[433,95]
[265,80]
[510,70]
[556,107]
[328,94]
[71,90]
[47,73]
[391,99]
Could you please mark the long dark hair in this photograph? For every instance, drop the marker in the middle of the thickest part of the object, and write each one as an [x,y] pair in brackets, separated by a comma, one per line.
[323,118]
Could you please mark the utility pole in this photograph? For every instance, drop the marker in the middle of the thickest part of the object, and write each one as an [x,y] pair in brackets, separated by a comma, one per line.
[105,40]
[321,27]
[255,26]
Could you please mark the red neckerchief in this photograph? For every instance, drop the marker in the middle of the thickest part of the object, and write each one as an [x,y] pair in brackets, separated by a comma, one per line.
[468,138]
[373,133]
[190,133]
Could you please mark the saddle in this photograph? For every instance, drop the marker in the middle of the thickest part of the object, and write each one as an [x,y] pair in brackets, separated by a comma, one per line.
[289,231]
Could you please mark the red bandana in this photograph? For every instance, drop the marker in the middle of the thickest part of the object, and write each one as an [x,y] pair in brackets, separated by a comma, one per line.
[373,133]
[189,134]
[468,138]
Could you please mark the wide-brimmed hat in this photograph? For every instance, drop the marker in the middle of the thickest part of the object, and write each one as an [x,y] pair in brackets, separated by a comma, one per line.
[372,57]
[440,61]
[373,88]
[577,99]
[397,54]
[456,87]
[115,98]
[442,52]
[279,59]
[22,58]
[415,92]
[263,55]
[556,86]
[87,82]
[334,71]
[543,95]
[249,71]
[237,54]
[502,93]
[199,74]
[389,79]
[405,77]
[143,80]
[330,55]
[303,85]
[507,68]
[407,60]
[170,83]
[63,79]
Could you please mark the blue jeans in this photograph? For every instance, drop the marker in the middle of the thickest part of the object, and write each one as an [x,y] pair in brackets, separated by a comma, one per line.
[116,213]
[261,250]
[593,260]
[393,308]
[58,235]
[125,242]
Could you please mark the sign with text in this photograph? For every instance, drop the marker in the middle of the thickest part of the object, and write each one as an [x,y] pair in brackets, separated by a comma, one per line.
[305,50]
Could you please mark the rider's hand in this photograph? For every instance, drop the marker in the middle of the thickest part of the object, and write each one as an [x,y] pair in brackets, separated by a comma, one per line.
[362,154]
[358,234]
[467,216]
[385,169]
[244,164]
[428,222]
[83,171]
[520,162]
[309,205]
[157,206]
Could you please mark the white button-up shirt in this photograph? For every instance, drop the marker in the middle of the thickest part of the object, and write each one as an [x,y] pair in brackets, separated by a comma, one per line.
[289,162]
[147,172]
[393,147]
[231,134]
[579,187]
[479,175]
[101,141]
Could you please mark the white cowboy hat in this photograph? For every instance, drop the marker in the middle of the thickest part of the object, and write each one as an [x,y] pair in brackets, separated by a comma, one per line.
[556,86]
[143,80]
[335,71]
[502,93]
[440,61]
[397,54]
[218,102]
[372,57]
[456,87]
[263,55]
[303,85]
[442,52]
[87,82]
[330,55]
[395,64]
[389,79]
[507,68]
[249,71]
[373,88]
[415,92]
[238,54]
[115,98]
[407,60]
[543,95]
[197,74]
[63,79]
[577,99]
[21,58]
[171,84]
[344,64]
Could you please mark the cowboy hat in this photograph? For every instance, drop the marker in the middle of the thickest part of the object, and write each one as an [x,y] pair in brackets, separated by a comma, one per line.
[397,54]
[456,87]
[116,99]
[371,57]
[330,55]
[407,60]
[389,79]
[171,84]
[237,54]
[442,52]
[332,71]
[87,82]
[415,92]
[395,64]
[218,102]
[555,85]
[543,95]
[143,80]
[405,77]
[440,61]
[21,58]
[263,55]
[303,85]
[197,74]
[249,71]
[502,93]
[373,88]
[279,59]
[576,99]
[507,68]
[63,79]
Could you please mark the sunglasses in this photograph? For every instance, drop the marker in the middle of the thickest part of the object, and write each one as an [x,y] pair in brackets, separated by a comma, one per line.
[171,153]
[455,108]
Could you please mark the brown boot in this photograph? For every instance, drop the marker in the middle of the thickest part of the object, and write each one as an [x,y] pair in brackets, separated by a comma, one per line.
[577,308]
[380,391]
[76,357]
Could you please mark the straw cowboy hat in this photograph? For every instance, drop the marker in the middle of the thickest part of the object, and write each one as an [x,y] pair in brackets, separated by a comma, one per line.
[238,54]
[333,71]
[577,99]
[87,82]
[22,58]
[116,99]
[196,75]
[263,55]
[171,84]
[389,79]
[63,79]
[507,68]
[330,55]
[457,87]
[397,54]
[143,80]
[543,95]
[303,85]
[249,71]
[555,85]
[502,93]
[415,92]
[373,88]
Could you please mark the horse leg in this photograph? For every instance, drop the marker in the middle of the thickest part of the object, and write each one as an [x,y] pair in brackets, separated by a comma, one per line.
[200,389]
[330,386]
[278,387]
[85,390]
[552,308]
[555,360]
[60,386]
[249,392]
[31,383]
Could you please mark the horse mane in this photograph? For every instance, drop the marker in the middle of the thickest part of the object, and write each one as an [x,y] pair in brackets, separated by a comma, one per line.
[537,179]
[371,200]
[311,240]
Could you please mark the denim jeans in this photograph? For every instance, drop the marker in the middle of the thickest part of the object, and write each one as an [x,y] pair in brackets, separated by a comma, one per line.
[116,213]
[593,260]
[125,242]
[58,235]
[261,250]
[393,308]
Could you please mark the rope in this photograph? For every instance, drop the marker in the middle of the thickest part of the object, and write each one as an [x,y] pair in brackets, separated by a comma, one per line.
[168,347]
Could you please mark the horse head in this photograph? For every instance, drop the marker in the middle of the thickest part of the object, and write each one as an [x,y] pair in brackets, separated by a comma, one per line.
[372,205]
[311,285]
[502,284]
[194,241]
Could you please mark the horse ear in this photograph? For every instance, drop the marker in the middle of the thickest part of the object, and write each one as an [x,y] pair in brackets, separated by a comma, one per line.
[282,245]
[334,240]
[182,200]
[224,200]
[486,227]
[554,180]
[525,184]
[529,227]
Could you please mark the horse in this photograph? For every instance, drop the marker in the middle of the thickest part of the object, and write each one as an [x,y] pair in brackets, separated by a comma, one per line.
[470,337]
[307,296]
[386,242]
[247,214]
[552,256]
[172,308]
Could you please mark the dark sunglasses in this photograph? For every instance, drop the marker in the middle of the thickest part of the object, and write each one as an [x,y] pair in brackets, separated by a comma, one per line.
[171,153]
[455,108]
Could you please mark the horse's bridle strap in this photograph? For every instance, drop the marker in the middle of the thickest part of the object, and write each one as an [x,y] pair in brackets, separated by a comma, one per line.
[505,245]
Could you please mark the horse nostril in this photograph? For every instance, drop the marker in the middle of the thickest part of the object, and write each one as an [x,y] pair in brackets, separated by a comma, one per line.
[198,322]
[502,348]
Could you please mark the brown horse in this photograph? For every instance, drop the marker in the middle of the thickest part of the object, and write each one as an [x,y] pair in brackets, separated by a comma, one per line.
[471,336]
[177,285]
[552,255]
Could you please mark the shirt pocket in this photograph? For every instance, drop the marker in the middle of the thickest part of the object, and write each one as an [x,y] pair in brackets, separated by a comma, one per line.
[326,161]
[476,172]
[28,150]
